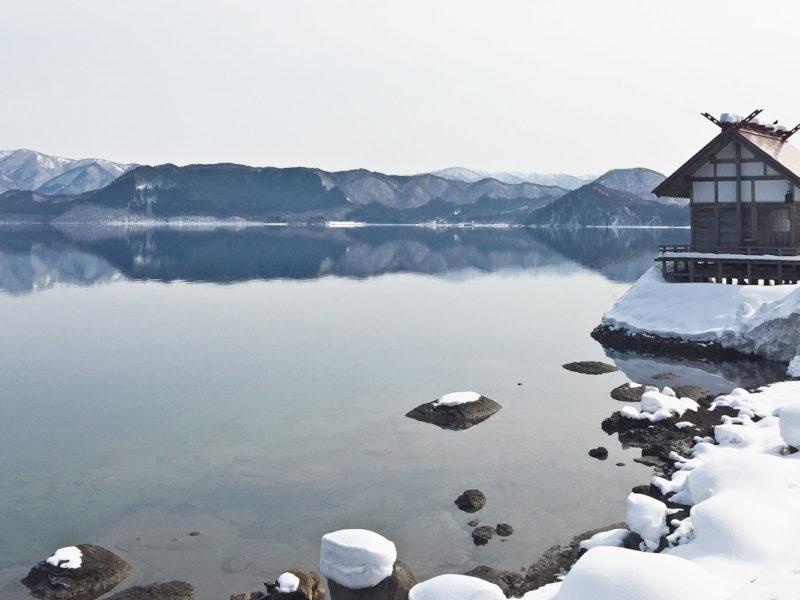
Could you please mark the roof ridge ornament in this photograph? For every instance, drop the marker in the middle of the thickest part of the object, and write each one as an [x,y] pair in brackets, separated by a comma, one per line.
[733,125]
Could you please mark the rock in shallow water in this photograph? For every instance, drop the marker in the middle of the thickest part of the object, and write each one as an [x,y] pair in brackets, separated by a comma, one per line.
[600,453]
[394,587]
[590,367]
[628,393]
[481,535]
[471,501]
[309,587]
[458,416]
[171,590]
[99,572]
[504,529]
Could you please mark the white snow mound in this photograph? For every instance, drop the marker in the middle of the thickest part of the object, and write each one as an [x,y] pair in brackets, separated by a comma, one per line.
[456,587]
[647,517]
[288,583]
[69,557]
[456,398]
[789,424]
[607,573]
[356,558]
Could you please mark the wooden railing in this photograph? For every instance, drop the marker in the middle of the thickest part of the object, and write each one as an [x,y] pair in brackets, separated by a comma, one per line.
[756,250]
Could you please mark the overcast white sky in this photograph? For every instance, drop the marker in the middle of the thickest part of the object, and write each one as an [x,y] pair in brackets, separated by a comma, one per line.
[575,86]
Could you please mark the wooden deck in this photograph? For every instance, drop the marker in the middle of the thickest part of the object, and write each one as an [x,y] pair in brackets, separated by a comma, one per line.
[741,266]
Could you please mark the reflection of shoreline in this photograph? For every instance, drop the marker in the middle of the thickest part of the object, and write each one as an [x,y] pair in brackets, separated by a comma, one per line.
[200,251]
[718,377]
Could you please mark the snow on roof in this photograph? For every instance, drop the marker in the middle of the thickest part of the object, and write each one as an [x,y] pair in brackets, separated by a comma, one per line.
[69,557]
[456,587]
[356,558]
[456,398]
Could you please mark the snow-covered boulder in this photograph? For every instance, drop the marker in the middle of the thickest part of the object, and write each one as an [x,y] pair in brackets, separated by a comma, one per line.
[456,587]
[647,517]
[789,424]
[457,410]
[78,571]
[297,585]
[356,558]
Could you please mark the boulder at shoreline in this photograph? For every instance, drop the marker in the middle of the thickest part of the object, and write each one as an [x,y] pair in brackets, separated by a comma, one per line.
[590,367]
[99,571]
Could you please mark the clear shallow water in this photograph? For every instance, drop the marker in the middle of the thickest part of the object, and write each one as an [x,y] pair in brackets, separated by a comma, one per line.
[138,407]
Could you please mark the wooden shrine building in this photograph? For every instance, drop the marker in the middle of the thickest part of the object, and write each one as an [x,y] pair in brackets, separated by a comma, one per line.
[744,199]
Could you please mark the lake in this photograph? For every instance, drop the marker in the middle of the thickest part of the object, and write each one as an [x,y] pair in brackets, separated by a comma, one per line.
[251,386]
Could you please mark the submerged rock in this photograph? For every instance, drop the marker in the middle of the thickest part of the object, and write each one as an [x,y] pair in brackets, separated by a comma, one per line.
[171,590]
[456,416]
[394,587]
[665,376]
[590,367]
[628,393]
[481,535]
[504,529]
[600,453]
[100,571]
[309,587]
[471,501]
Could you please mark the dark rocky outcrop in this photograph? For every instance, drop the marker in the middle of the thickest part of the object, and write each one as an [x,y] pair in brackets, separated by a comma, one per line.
[394,587]
[171,590]
[481,535]
[310,587]
[460,416]
[670,347]
[695,392]
[590,367]
[504,529]
[471,501]
[100,571]
[600,453]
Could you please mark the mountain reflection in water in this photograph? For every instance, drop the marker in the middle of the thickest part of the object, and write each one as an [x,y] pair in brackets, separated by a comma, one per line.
[34,260]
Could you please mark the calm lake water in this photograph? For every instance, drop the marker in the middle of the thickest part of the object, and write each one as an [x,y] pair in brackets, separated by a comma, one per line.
[252,385]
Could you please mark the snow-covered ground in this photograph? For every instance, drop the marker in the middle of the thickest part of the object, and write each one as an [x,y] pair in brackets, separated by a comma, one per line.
[754,319]
[742,538]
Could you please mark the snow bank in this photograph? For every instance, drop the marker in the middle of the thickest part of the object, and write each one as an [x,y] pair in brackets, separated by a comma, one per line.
[456,398]
[755,319]
[288,583]
[456,587]
[356,558]
[742,538]
[69,557]
[619,574]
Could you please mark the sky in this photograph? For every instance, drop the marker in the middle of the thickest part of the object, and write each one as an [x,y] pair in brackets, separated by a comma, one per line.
[568,86]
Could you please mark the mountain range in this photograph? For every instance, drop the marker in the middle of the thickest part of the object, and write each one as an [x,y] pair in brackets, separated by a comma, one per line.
[52,175]
[45,188]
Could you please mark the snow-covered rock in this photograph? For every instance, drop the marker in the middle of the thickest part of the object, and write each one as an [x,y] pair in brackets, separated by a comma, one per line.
[287,583]
[789,424]
[647,517]
[753,319]
[456,587]
[66,558]
[657,406]
[457,398]
[356,558]
[612,537]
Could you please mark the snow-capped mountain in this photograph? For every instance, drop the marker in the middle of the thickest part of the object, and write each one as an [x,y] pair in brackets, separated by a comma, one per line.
[638,181]
[31,170]
[562,180]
